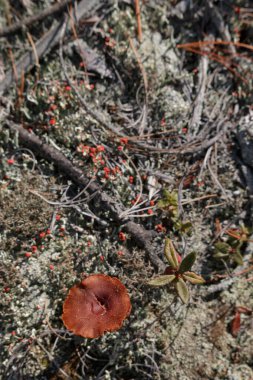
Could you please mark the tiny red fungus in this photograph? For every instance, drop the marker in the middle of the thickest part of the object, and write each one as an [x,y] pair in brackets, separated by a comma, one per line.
[98,304]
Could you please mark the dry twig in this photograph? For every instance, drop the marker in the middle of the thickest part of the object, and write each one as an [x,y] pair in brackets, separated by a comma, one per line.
[45,44]
[139,234]
[56,8]
[138,18]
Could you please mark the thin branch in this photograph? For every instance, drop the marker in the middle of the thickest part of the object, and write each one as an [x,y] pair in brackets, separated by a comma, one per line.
[44,45]
[199,101]
[187,201]
[200,44]
[96,116]
[138,18]
[144,75]
[56,8]
[51,358]
[141,236]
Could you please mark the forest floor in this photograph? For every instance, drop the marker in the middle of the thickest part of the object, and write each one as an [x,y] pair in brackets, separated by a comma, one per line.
[117,132]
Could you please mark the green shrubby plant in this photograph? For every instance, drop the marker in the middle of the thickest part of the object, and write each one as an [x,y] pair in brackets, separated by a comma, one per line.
[169,204]
[231,247]
[178,272]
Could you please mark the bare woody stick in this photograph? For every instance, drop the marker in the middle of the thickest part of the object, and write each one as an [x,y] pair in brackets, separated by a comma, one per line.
[14,28]
[138,18]
[142,237]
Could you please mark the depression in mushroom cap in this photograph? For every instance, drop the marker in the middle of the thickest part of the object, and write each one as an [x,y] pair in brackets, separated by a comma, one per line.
[98,304]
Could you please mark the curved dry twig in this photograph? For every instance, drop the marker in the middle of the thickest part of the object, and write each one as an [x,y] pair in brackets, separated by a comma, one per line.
[139,234]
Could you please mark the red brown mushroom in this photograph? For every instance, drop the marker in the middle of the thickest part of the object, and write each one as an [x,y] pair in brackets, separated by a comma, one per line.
[98,304]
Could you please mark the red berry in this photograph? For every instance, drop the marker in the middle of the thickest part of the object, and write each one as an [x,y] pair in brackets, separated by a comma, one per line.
[53,107]
[52,121]
[93,150]
[124,140]
[160,228]
[100,148]
[122,236]
[162,122]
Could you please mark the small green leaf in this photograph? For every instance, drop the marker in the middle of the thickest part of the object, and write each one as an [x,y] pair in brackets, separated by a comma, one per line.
[162,280]
[221,247]
[234,243]
[245,230]
[220,255]
[238,257]
[169,200]
[185,226]
[170,253]
[182,290]
[165,201]
[166,194]
[187,262]
[193,278]
[171,197]
[162,203]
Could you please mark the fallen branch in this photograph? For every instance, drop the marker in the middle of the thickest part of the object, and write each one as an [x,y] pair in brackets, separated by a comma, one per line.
[45,44]
[218,21]
[56,8]
[100,200]
[198,104]
[49,153]
[99,117]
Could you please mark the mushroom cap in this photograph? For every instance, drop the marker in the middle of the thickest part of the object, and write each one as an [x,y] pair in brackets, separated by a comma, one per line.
[98,304]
